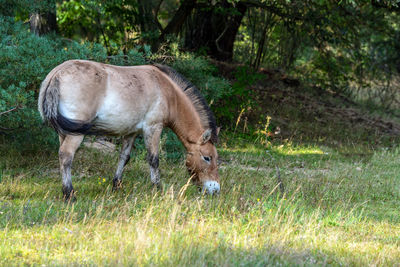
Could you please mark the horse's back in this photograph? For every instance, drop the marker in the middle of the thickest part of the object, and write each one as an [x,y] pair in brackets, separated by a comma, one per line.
[120,100]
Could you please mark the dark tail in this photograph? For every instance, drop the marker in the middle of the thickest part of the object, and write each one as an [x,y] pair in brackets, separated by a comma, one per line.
[64,126]
[49,98]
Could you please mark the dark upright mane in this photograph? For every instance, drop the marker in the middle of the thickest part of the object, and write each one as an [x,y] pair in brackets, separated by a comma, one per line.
[206,116]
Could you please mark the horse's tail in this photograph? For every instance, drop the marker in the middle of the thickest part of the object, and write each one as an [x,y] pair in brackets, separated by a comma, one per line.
[49,98]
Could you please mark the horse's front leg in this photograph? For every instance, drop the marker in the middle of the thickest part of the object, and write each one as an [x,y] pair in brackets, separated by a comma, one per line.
[127,143]
[152,139]
[68,146]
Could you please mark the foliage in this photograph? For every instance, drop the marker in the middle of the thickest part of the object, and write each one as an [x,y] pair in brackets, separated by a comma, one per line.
[21,8]
[241,97]
[347,47]
[107,22]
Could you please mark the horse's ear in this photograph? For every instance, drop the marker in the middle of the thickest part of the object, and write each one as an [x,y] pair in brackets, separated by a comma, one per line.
[205,137]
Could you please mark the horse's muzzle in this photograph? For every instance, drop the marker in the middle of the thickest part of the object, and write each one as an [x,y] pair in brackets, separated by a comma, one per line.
[211,187]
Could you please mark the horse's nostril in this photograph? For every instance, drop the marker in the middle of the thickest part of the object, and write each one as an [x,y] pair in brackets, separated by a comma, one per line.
[211,187]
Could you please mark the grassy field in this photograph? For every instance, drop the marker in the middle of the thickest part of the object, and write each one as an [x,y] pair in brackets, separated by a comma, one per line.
[340,207]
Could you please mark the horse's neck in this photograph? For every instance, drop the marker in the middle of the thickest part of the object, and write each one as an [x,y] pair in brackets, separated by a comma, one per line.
[185,121]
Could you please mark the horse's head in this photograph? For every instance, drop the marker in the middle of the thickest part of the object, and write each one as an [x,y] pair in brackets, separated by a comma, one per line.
[201,162]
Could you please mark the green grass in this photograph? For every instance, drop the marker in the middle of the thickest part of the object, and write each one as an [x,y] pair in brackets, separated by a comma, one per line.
[340,207]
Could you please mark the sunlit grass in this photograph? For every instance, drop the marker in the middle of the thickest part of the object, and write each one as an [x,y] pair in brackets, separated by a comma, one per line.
[285,150]
[300,151]
[336,210]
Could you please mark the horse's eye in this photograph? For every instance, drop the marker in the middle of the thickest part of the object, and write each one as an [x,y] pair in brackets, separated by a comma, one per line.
[207,159]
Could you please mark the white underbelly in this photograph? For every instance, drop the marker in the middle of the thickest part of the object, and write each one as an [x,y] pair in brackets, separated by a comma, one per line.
[122,118]
[122,123]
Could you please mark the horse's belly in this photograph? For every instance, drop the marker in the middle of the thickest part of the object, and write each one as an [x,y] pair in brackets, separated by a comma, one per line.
[120,117]
[119,124]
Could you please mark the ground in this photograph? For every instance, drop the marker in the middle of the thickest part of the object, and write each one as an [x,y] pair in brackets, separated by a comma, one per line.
[339,205]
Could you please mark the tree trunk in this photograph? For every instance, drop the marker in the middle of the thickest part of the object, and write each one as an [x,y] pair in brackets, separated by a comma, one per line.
[149,26]
[43,22]
[260,49]
[147,20]
[268,25]
[215,29]
[176,23]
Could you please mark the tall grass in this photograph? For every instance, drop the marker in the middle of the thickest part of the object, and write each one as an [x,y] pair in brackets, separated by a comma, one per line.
[336,210]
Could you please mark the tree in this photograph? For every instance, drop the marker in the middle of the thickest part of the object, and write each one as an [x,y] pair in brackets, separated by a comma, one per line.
[147,18]
[43,19]
[152,30]
[214,29]
[43,23]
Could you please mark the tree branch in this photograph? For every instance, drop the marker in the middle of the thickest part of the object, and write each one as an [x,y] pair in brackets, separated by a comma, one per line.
[389,5]
[272,8]
[10,110]
[175,25]
[219,38]
[156,10]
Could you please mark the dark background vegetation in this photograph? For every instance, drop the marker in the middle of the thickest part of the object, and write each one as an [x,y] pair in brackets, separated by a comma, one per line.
[325,48]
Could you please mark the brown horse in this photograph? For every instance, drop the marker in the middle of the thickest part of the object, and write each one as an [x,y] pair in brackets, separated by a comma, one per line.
[82,97]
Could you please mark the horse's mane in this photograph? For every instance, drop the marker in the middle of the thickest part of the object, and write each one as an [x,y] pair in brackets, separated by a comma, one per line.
[206,116]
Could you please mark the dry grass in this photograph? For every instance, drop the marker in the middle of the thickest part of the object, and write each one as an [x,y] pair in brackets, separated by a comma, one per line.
[336,210]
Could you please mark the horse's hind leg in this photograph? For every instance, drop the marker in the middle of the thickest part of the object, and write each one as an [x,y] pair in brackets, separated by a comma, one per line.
[152,139]
[127,143]
[66,153]
[61,138]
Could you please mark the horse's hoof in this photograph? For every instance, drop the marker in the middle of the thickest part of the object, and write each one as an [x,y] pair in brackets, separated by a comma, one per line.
[70,199]
[68,195]
[117,184]
[157,186]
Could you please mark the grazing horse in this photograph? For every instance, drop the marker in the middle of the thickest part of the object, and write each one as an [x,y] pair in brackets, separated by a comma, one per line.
[82,97]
